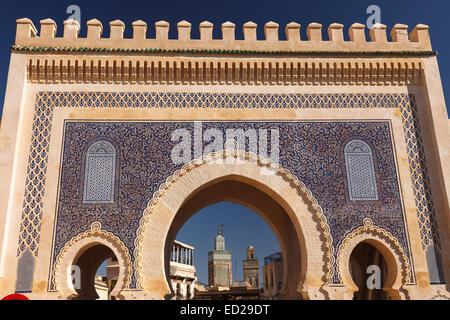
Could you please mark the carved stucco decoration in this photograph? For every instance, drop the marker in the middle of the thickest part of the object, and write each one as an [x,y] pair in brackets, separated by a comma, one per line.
[94,236]
[247,158]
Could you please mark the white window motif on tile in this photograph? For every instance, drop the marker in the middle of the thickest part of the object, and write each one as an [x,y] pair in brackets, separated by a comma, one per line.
[99,173]
[361,180]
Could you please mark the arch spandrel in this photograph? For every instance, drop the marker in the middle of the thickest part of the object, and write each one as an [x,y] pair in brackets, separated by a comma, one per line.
[304,212]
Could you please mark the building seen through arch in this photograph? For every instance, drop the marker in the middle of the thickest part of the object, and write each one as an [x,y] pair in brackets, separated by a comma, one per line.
[220,263]
[272,272]
[251,268]
[183,276]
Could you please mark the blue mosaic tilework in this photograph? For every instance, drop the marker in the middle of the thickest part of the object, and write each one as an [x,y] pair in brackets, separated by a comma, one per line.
[429,231]
[313,151]
[47,101]
[220,100]
[35,183]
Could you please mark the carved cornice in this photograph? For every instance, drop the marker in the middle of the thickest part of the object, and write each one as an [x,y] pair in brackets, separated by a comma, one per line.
[161,68]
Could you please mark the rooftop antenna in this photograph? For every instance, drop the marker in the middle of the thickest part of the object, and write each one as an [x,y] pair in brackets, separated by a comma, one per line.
[221,229]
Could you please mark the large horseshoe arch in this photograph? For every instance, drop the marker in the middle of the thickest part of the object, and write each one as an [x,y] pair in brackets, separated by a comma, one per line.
[280,198]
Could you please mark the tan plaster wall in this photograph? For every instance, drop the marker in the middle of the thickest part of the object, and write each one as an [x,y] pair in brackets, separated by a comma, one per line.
[437,141]
[12,142]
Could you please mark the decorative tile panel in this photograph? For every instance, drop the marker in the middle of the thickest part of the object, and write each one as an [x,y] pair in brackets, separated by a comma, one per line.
[362,184]
[145,150]
[147,165]
[99,173]
[419,175]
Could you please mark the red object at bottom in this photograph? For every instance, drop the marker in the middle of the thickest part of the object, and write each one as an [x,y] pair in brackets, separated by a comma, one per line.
[15,296]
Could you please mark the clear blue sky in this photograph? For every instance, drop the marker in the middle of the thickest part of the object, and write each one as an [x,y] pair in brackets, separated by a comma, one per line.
[434,13]
[236,219]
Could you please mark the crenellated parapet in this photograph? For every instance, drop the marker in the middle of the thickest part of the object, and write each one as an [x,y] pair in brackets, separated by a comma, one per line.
[417,40]
[94,59]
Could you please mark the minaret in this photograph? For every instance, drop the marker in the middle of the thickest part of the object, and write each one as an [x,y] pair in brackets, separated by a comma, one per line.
[251,268]
[219,263]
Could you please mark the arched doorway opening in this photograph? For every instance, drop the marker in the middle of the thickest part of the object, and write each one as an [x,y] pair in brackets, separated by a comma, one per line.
[229,245]
[369,271]
[106,278]
[279,197]
[80,258]
[88,262]
[244,192]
